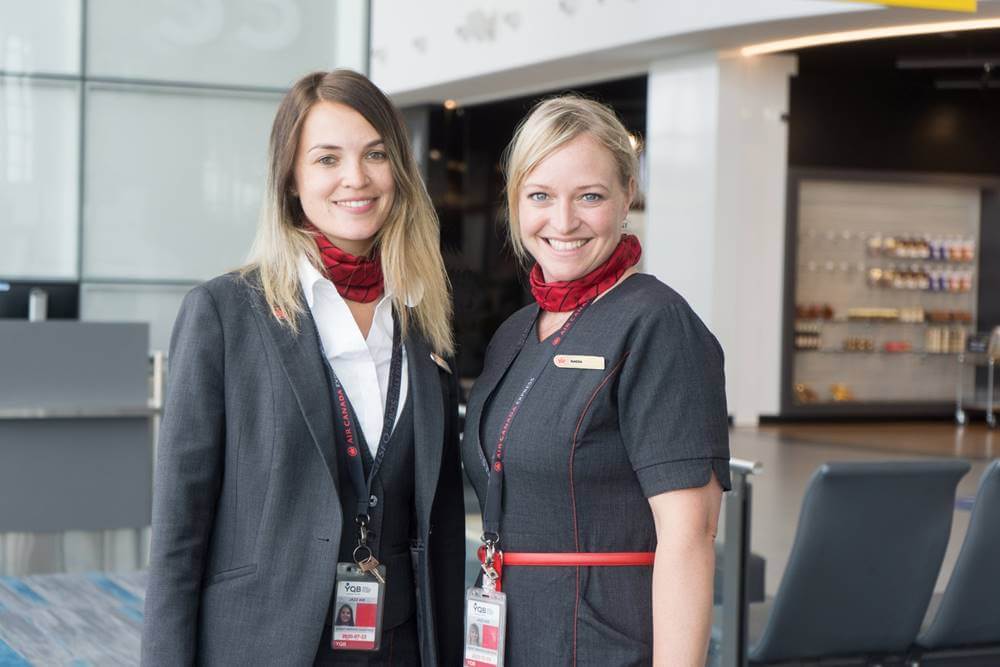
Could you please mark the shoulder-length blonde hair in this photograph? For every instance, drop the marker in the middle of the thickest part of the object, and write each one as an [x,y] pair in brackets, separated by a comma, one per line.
[408,242]
[551,124]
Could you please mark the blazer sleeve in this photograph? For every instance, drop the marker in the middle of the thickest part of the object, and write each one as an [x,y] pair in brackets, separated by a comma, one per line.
[447,542]
[187,479]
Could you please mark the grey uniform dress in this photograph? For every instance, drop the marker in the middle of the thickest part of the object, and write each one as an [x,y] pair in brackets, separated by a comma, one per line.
[585,452]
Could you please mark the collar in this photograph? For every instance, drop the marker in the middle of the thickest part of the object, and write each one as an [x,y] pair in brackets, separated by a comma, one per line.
[310,277]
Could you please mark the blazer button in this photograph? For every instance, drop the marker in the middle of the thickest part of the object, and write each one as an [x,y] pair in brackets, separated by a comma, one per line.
[373,501]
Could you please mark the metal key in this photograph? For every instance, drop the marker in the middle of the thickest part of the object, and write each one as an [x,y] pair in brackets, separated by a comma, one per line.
[370,565]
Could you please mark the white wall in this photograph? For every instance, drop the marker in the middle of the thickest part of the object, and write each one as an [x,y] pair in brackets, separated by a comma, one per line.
[416,45]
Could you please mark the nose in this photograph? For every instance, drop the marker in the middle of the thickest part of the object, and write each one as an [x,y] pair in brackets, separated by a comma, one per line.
[564,219]
[354,174]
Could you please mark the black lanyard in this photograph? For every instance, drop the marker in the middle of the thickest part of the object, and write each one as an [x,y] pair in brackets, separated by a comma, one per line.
[494,487]
[352,438]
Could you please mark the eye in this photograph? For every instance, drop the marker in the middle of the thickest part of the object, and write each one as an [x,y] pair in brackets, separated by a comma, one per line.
[377,155]
[591,197]
[328,160]
[538,196]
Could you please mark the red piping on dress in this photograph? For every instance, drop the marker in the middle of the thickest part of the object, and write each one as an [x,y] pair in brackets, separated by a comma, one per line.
[572,492]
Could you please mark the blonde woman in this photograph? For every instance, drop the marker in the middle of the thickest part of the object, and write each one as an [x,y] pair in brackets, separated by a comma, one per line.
[596,436]
[310,428]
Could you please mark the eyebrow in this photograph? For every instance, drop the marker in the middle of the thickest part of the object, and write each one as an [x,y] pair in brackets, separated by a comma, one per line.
[332,147]
[539,186]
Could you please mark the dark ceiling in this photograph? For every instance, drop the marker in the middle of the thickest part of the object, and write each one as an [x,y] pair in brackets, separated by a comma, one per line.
[926,61]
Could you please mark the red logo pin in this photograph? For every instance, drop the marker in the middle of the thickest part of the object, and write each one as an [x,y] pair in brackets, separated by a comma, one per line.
[352,451]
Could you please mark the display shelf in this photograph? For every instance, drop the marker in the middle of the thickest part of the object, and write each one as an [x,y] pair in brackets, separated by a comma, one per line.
[844,320]
[844,231]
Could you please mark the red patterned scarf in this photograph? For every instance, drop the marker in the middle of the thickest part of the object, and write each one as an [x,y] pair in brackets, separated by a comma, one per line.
[356,278]
[563,296]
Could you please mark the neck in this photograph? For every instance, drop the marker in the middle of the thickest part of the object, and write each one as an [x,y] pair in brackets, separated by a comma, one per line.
[356,248]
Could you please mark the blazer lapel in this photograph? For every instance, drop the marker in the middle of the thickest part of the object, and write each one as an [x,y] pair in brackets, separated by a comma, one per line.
[302,360]
[428,420]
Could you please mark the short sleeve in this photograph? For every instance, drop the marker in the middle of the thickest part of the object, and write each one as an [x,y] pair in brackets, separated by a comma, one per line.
[672,402]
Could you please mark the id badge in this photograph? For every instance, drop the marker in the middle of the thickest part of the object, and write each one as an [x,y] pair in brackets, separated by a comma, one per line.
[485,627]
[357,609]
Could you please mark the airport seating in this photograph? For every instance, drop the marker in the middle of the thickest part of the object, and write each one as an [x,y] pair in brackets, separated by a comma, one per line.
[968,613]
[868,548]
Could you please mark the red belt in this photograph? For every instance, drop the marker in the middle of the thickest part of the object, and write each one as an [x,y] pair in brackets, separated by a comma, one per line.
[578,558]
[566,559]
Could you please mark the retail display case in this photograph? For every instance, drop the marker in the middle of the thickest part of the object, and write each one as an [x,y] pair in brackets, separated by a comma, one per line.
[882,292]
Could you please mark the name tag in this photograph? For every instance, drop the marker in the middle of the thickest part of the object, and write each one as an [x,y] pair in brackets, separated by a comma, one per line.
[585,361]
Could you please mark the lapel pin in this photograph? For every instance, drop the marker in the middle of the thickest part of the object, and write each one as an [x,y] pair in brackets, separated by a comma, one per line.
[441,362]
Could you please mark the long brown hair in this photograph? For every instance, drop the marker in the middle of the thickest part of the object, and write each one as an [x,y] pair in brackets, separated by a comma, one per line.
[408,242]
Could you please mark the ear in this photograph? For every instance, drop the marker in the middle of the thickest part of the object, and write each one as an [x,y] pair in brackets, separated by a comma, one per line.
[632,189]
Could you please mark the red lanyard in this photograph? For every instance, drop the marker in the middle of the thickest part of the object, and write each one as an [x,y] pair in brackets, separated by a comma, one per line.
[495,471]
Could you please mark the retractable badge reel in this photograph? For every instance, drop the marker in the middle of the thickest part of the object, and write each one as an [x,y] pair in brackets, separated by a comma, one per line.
[359,599]
[486,610]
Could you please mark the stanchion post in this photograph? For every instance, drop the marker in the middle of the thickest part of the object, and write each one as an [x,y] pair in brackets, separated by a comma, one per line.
[735,604]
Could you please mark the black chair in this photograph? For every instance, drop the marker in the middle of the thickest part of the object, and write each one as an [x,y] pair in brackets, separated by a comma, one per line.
[867,552]
[969,611]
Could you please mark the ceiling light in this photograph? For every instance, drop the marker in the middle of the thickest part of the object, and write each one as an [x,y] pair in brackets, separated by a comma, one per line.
[867,34]
[450,104]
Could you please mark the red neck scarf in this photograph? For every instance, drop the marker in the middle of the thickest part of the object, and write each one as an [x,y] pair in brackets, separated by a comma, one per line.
[560,297]
[356,278]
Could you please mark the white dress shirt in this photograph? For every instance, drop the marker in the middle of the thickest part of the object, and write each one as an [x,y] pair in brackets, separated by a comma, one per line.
[361,365]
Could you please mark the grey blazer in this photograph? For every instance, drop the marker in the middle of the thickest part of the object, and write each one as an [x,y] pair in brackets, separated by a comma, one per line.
[246,516]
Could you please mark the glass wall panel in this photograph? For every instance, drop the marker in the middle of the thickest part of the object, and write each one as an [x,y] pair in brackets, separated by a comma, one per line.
[174,181]
[40,36]
[155,304]
[39,186]
[234,42]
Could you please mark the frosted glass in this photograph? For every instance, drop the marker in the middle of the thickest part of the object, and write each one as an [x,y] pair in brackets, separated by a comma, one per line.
[174,181]
[39,184]
[155,305]
[40,36]
[238,42]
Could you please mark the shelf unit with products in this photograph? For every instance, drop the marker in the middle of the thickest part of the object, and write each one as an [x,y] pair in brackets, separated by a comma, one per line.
[883,289]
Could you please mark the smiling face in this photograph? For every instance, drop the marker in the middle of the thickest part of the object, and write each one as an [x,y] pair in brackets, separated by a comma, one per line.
[345,614]
[343,177]
[571,207]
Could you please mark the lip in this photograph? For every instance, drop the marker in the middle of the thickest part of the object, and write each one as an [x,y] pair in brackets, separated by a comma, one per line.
[350,205]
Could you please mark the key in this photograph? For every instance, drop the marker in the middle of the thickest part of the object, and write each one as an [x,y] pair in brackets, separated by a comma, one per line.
[370,565]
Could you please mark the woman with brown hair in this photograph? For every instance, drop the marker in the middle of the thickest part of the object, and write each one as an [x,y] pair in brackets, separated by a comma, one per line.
[308,456]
